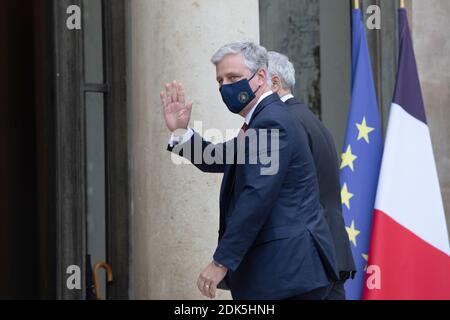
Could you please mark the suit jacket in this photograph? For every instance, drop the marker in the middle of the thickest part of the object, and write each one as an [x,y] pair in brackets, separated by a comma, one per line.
[273,235]
[326,161]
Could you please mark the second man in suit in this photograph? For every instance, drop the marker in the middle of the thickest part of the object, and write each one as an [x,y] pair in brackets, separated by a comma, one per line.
[321,144]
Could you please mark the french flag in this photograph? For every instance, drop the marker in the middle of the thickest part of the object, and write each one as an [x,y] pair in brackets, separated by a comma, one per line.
[409,256]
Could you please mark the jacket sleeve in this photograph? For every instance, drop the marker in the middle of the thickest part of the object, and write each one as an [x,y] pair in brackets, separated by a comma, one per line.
[206,156]
[260,191]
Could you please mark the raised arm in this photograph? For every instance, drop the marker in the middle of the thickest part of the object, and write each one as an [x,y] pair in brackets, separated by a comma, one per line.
[184,141]
[177,112]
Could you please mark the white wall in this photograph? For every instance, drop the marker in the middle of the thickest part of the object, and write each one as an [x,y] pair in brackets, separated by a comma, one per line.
[430,28]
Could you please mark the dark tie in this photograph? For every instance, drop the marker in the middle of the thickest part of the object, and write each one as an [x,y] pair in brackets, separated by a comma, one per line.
[242,132]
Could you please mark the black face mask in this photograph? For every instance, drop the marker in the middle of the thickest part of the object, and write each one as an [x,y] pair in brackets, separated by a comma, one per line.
[238,95]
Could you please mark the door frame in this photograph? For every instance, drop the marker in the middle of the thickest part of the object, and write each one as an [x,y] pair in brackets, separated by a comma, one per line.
[118,204]
[70,144]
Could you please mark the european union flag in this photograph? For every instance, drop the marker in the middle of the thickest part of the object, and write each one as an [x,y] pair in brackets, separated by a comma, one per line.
[361,156]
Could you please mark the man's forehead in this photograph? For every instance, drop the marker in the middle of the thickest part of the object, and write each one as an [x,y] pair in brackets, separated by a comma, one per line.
[231,63]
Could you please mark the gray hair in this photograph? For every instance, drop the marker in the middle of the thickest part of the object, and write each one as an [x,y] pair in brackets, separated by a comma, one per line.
[255,56]
[280,65]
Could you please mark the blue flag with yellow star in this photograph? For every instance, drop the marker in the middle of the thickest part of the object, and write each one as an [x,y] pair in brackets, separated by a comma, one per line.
[361,157]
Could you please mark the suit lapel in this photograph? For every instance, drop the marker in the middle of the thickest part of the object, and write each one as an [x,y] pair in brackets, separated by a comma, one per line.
[264,103]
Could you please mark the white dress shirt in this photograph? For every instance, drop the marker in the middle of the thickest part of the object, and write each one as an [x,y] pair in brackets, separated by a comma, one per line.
[287,97]
[249,115]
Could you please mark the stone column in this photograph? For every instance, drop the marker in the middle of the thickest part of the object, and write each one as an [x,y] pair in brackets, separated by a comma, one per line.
[176,208]
[430,25]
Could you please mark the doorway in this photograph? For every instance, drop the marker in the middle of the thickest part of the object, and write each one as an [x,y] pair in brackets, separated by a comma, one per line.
[19,268]
[64,186]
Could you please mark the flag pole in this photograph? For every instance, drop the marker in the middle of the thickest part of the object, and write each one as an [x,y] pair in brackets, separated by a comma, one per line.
[402,4]
[356,4]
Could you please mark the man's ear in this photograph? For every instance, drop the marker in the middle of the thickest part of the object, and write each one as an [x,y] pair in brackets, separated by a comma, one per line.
[262,75]
[276,83]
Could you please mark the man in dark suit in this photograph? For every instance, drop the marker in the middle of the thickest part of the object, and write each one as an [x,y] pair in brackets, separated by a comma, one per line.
[274,242]
[282,81]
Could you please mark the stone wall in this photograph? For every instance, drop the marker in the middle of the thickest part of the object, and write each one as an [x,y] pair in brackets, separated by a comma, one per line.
[176,208]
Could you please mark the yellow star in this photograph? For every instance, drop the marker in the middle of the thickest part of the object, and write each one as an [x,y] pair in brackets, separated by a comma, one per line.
[346,196]
[352,233]
[348,158]
[364,130]
[365,257]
